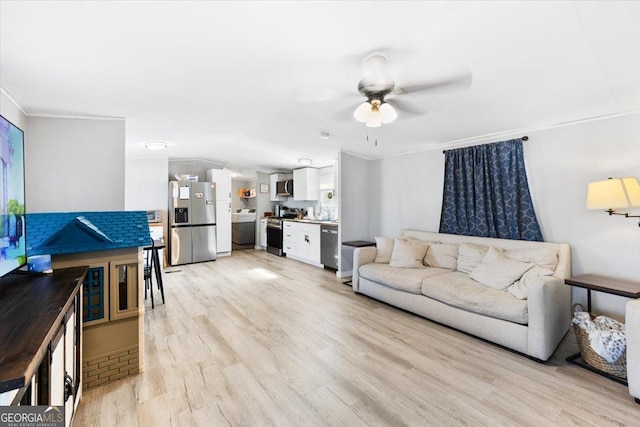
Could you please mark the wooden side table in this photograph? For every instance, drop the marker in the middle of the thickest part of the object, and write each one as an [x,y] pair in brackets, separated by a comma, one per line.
[609,285]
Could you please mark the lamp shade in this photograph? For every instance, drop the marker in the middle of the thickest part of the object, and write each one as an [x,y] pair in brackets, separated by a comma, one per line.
[614,193]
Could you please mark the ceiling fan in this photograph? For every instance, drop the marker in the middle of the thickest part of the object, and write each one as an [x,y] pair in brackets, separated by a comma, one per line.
[379,88]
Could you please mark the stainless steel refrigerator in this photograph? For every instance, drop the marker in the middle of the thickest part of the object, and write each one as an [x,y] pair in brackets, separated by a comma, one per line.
[192,222]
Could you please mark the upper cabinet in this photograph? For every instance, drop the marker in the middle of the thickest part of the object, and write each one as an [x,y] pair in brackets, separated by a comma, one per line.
[306,184]
[327,179]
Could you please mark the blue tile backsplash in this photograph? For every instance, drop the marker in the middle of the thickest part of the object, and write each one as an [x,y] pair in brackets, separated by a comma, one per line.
[71,232]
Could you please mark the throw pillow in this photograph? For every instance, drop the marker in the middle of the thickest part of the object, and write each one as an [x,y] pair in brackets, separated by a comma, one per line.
[544,257]
[443,255]
[469,256]
[530,278]
[385,247]
[408,254]
[499,272]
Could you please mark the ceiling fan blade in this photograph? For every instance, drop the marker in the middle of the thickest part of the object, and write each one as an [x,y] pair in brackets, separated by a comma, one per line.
[460,81]
[408,109]
[376,71]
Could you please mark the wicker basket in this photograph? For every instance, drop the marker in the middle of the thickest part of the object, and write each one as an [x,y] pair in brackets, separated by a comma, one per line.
[617,368]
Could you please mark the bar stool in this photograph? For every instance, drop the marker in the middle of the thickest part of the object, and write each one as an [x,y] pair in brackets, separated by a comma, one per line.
[148,266]
[152,265]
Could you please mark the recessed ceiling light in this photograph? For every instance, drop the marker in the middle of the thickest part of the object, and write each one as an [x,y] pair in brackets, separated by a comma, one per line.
[304,161]
[155,145]
[324,135]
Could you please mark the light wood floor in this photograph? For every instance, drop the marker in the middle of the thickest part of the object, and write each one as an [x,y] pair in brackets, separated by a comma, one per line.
[253,339]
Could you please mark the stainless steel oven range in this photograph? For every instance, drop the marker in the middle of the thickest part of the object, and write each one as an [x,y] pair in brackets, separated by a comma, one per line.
[274,236]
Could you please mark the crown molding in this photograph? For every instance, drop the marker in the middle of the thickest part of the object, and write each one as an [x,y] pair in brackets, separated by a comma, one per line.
[74,116]
[13,101]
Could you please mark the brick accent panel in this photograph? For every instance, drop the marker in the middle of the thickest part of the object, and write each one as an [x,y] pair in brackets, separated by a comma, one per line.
[110,367]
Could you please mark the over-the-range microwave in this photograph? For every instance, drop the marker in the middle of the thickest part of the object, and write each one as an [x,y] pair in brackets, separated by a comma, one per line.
[284,188]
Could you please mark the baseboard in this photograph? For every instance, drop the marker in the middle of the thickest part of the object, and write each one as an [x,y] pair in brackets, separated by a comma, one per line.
[343,274]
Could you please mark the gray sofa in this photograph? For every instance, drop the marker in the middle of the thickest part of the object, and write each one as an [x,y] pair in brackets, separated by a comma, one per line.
[533,326]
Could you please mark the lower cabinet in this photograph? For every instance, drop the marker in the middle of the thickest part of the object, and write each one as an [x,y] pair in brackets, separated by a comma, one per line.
[57,374]
[302,241]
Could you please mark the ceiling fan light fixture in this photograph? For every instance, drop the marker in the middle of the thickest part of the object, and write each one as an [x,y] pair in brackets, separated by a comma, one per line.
[387,113]
[374,120]
[362,112]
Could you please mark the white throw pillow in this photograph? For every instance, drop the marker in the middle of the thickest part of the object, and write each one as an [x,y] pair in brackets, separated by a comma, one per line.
[530,278]
[544,257]
[408,254]
[470,256]
[384,247]
[498,271]
[443,255]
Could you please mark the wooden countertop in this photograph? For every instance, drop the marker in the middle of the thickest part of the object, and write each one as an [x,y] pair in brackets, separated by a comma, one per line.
[31,311]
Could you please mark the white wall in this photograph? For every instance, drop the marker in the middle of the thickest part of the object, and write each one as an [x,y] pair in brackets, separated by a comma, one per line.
[406,192]
[74,164]
[146,184]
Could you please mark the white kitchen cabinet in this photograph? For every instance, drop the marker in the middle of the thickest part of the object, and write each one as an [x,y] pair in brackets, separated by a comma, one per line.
[263,233]
[326,178]
[222,178]
[305,184]
[301,241]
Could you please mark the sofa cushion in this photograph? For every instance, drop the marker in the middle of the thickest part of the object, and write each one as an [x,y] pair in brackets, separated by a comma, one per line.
[498,271]
[459,290]
[408,253]
[469,256]
[403,279]
[544,257]
[520,289]
[384,246]
[442,255]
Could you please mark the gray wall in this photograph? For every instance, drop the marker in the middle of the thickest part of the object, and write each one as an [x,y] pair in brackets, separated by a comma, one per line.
[354,184]
[146,184]
[188,166]
[74,164]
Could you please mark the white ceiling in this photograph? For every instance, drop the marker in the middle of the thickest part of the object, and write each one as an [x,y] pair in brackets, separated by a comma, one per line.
[252,84]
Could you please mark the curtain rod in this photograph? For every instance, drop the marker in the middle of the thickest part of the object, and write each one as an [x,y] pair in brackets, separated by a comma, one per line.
[524,138]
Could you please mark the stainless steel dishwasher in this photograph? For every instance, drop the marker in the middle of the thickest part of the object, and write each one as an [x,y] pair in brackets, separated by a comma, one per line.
[329,246]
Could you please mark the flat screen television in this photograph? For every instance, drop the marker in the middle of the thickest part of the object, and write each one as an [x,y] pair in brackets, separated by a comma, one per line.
[13,247]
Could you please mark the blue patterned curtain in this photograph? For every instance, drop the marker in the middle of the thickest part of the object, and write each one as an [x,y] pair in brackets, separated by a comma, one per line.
[486,193]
